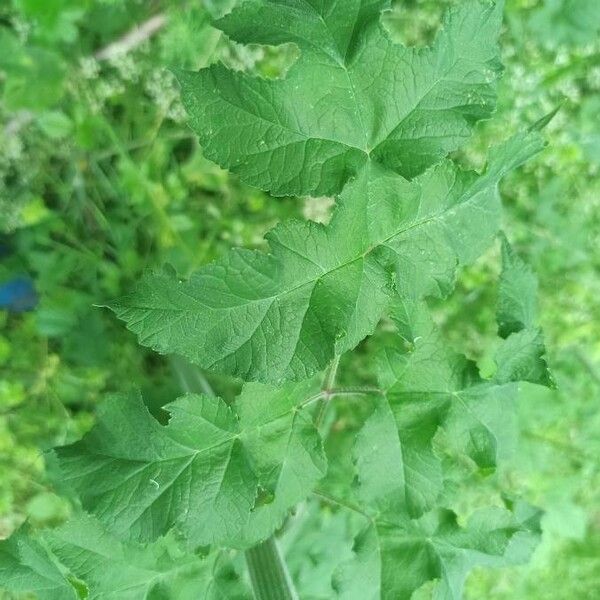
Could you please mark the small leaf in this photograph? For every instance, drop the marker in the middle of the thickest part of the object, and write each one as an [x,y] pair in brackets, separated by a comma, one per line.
[521,356]
[517,297]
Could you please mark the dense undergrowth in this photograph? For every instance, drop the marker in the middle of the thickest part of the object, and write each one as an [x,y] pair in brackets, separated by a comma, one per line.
[100,179]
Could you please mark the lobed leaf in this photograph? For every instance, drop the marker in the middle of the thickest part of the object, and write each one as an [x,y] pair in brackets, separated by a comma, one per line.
[219,474]
[82,560]
[409,554]
[353,99]
[284,315]
[428,388]
[521,356]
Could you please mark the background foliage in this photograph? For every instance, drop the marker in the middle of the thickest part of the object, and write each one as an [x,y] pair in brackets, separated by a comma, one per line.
[100,179]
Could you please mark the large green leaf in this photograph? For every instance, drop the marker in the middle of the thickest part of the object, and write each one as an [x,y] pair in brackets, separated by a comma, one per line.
[427,387]
[81,560]
[220,475]
[394,558]
[280,316]
[25,567]
[354,97]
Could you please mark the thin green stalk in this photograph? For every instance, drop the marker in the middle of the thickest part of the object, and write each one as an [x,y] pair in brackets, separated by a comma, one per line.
[340,502]
[331,374]
[344,391]
[326,389]
[356,391]
[191,378]
[268,572]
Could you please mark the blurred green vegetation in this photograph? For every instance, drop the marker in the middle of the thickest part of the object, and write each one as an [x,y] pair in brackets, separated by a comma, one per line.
[100,179]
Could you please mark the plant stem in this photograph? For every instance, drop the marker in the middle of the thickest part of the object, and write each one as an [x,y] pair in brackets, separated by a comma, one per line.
[345,391]
[268,572]
[326,388]
[133,38]
[357,391]
[191,378]
[330,376]
[340,502]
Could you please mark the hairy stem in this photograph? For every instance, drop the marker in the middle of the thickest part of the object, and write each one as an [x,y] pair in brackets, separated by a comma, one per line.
[268,572]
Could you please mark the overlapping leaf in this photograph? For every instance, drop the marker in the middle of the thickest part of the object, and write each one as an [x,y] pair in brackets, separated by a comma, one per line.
[220,475]
[566,22]
[522,354]
[81,560]
[394,558]
[354,97]
[428,388]
[280,316]
[25,567]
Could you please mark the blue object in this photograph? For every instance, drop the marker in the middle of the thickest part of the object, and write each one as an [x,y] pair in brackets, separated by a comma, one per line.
[18,295]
